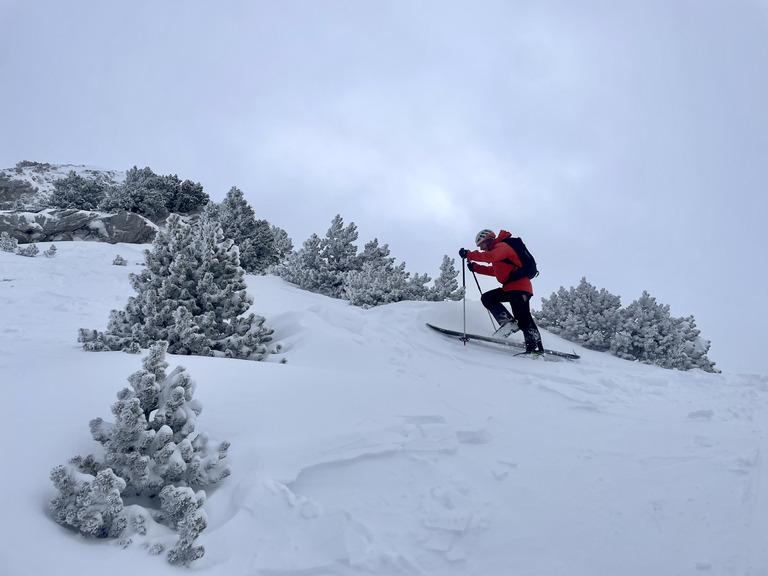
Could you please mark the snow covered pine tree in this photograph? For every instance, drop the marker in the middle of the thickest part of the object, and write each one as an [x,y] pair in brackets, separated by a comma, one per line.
[192,294]
[152,448]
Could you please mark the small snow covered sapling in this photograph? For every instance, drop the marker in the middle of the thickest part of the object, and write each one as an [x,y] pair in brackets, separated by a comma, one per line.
[153,442]
[51,252]
[7,243]
[28,250]
[119,261]
[151,449]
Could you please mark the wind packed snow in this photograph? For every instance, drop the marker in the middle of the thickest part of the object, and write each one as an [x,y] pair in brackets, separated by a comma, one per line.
[384,448]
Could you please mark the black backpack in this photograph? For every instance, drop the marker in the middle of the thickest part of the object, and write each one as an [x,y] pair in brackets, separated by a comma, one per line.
[527,260]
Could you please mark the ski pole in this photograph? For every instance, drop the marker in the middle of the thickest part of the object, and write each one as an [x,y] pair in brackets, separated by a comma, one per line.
[464,301]
[493,324]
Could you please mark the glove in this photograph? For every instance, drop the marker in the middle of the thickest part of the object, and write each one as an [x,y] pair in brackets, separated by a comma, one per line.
[462,253]
[471,266]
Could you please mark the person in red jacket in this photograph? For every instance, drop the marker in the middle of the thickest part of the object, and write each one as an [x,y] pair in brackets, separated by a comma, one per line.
[504,261]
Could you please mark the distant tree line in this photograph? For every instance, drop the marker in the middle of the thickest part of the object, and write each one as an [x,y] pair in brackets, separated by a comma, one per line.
[644,331]
[333,266]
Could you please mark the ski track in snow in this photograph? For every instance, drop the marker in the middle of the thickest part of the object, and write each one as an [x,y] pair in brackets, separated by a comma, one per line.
[382,447]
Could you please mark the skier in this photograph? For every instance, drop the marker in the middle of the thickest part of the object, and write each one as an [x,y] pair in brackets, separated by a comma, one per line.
[504,261]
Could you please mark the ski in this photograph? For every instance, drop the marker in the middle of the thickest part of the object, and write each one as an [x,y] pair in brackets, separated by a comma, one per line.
[502,341]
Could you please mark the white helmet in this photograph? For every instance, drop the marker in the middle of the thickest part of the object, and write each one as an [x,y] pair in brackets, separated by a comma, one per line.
[484,235]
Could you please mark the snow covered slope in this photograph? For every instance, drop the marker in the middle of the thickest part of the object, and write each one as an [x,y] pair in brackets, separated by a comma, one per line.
[40,176]
[383,448]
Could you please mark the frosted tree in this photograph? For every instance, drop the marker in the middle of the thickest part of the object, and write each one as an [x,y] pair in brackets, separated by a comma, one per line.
[255,238]
[186,197]
[191,294]
[77,192]
[29,250]
[90,504]
[446,285]
[694,347]
[583,314]
[263,249]
[378,280]
[152,448]
[153,195]
[153,440]
[416,287]
[142,192]
[8,243]
[648,333]
[183,508]
[332,266]
[283,244]
[322,264]
[338,256]
[302,267]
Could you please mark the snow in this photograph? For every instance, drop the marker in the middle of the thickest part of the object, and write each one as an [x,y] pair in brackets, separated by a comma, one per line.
[382,447]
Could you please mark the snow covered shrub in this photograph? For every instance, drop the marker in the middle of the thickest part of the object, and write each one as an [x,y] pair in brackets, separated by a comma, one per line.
[322,263]
[302,267]
[378,280]
[283,244]
[51,252]
[119,261]
[90,504]
[583,314]
[416,286]
[154,196]
[643,331]
[182,507]
[192,295]
[151,449]
[375,285]
[153,442]
[77,192]
[8,244]
[28,250]
[185,197]
[648,333]
[694,347]
[332,266]
[255,238]
[446,286]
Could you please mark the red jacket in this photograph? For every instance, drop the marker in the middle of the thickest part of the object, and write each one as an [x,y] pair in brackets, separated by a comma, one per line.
[501,270]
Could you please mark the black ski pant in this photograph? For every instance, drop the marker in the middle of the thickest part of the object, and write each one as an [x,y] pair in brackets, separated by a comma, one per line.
[520,302]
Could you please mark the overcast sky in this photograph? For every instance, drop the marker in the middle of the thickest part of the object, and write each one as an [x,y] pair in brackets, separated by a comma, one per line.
[624,141]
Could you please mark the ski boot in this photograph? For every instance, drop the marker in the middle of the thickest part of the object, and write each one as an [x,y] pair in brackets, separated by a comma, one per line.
[506,329]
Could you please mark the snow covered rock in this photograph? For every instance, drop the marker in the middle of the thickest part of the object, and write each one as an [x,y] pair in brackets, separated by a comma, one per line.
[54,225]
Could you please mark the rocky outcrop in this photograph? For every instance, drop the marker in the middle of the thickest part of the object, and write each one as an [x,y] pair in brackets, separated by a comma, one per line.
[55,225]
